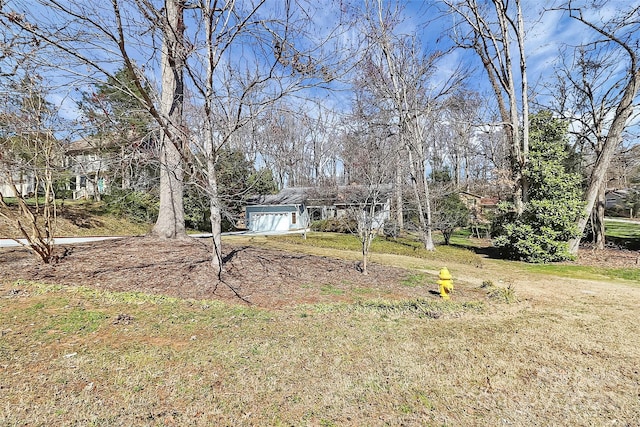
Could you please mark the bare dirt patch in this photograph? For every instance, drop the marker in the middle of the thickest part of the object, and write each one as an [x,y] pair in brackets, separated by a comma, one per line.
[252,274]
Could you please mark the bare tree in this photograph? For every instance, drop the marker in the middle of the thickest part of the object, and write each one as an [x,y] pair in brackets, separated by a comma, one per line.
[299,143]
[456,127]
[321,126]
[602,86]
[281,144]
[30,161]
[170,223]
[367,150]
[278,59]
[401,75]
[488,27]
[237,57]
[89,39]
[29,150]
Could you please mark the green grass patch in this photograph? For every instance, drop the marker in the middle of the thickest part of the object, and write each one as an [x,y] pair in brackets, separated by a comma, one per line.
[76,321]
[31,201]
[330,290]
[624,230]
[406,246]
[623,234]
[414,280]
[463,240]
[584,272]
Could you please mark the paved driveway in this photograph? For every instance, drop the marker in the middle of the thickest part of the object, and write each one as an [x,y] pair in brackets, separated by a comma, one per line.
[7,243]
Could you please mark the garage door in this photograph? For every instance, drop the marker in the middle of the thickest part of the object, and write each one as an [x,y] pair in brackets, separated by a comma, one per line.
[270,222]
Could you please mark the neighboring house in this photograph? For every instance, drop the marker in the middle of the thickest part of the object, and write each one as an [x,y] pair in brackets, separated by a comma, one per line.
[488,205]
[88,165]
[284,211]
[470,200]
[480,211]
[624,202]
[96,166]
[296,208]
[92,165]
[616,199]
[25,183]
[479,206]
[265,218]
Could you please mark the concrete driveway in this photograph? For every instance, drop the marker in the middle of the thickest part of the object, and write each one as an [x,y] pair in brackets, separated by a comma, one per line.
[7,243]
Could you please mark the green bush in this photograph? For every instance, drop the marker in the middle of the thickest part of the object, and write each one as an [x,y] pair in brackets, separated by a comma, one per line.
[449,213]
[197,213]
[334,225]
[136,206]
[541,233]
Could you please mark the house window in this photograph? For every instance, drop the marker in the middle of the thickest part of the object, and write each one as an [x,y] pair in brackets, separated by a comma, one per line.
[83,182]
[315,213]
[293,217]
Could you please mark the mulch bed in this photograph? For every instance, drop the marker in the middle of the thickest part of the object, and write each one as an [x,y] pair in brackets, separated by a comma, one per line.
[252,274]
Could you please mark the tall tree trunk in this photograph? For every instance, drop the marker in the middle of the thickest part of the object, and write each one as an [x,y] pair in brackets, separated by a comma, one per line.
[399,202]
[170,223]
[514,119]
[598,218]
[216,215]
[428,240]
[494,49]
[524,89]
[457,169]
[423,217]
[612,141]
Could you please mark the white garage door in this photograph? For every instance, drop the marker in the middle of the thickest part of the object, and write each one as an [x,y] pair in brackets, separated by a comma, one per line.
[270,222]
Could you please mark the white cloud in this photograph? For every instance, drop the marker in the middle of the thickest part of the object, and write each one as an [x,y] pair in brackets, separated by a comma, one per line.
[67,107]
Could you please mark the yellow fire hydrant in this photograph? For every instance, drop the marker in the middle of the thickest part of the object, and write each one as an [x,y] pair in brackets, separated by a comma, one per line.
[445,282]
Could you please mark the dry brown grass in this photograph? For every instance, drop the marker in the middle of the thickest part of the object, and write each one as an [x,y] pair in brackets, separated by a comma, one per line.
[77,220]
[566,354]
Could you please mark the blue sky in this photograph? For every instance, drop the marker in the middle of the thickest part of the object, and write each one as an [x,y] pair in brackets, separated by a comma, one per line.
[546,33]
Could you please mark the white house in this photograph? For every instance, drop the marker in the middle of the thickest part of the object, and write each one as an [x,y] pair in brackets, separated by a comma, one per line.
[25,183]
[265,218]
[296,208]
[88,166]
[285,211]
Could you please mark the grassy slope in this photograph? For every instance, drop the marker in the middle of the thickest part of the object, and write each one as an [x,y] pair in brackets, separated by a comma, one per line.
[565,354]
[624,233]
[409,254]
[77,219]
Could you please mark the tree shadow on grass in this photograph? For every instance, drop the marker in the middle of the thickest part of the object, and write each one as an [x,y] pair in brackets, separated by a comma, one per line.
[631,244]
[489,251]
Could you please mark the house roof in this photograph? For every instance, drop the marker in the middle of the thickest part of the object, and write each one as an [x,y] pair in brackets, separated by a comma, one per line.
[489,201]
[95,144]
[323,196]
[87,145]
[622,192]
[466,193]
